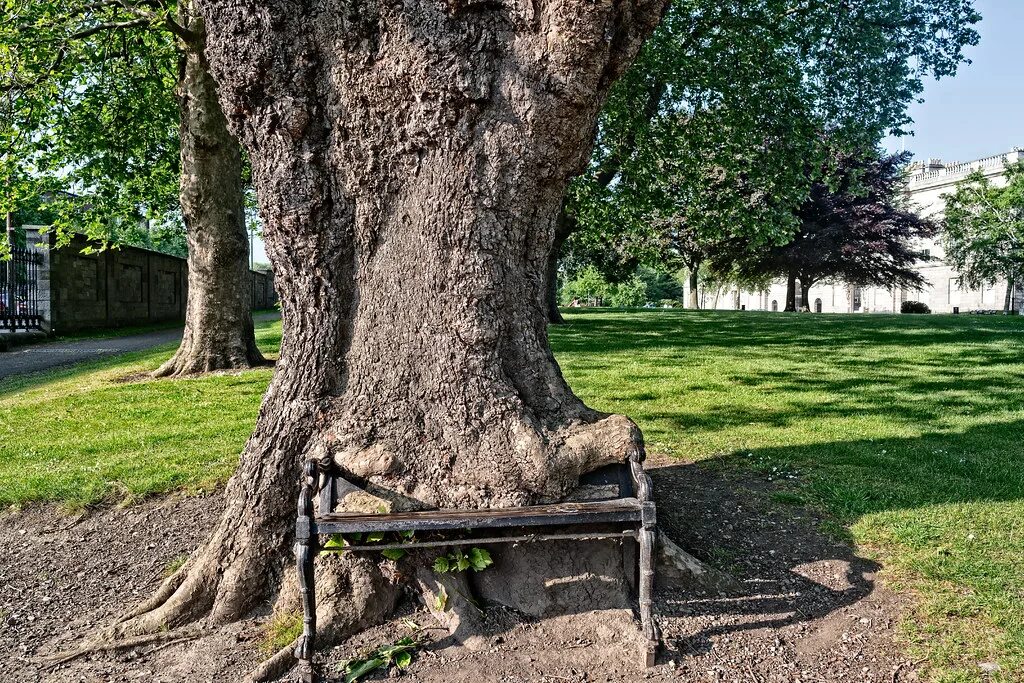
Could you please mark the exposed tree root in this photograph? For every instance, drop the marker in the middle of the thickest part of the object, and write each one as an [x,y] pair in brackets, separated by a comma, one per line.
[676,564]
[99,645]
[184,363]
[276,666]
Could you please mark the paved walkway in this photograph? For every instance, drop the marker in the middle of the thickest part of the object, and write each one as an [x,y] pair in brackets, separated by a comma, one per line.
[22,360]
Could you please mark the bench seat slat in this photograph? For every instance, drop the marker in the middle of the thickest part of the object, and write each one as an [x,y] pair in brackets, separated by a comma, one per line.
[589,512]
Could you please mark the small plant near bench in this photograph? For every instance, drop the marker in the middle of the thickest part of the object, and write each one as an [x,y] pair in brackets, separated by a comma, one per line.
[476,559]
[281,631]
[397,654]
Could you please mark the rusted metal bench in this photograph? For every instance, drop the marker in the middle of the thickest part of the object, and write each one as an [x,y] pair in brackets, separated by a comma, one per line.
[629,515]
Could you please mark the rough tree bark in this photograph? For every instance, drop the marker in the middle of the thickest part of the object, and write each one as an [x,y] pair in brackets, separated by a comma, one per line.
[1008,302]
[411,160]
[791,293]
[693,301]
[219,331]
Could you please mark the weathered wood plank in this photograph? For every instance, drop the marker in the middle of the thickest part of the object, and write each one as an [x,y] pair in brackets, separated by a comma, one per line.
[589,512]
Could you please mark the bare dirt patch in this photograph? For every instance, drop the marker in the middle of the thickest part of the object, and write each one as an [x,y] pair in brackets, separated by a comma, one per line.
[810,609]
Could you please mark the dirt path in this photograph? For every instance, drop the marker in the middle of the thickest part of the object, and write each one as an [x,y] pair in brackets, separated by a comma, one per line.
[810,609]
[46,356]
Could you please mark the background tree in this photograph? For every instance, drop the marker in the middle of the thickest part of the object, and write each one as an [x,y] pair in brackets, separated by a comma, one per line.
[743,91]
[855,229]
[411,162]
[984,231]
[140,155]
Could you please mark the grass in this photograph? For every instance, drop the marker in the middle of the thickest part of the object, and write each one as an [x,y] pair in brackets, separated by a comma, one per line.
[906,429]
[79,436]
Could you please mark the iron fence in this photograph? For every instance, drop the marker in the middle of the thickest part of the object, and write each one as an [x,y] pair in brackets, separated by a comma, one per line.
[19,290]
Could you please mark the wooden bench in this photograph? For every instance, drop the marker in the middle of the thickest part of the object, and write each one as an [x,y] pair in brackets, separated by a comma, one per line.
[628,513]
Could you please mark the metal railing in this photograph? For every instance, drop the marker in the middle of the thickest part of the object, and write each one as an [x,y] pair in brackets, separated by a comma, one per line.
[19,290]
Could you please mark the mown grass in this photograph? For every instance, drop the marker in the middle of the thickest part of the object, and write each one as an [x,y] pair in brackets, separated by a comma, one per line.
[908,430]
[79,436]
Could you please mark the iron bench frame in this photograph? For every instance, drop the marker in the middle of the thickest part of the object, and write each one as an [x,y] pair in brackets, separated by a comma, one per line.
[635,514]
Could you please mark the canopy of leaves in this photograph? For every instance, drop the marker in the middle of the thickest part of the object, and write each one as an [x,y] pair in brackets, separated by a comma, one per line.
[857,230]
[710,134]
[984,228]
[89,116]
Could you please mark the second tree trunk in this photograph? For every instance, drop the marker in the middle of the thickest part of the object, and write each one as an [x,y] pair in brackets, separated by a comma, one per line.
[219,331]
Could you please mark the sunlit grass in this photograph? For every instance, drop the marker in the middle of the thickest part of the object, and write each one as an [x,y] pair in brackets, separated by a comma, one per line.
[907,429]
[104,431]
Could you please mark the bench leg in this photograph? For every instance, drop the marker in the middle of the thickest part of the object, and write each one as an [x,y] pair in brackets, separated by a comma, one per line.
[306,546]
[304,554]
[649,628]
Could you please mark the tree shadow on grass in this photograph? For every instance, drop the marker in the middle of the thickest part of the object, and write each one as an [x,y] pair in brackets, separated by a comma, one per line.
[921,493]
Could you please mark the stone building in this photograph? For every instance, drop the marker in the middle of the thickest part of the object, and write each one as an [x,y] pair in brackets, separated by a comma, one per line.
[927,183]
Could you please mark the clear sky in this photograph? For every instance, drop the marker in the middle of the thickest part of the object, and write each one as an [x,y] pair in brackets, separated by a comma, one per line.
[980,111]
[977,113]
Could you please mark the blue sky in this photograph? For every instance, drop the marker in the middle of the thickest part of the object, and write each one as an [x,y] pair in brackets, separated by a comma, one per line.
[980,111]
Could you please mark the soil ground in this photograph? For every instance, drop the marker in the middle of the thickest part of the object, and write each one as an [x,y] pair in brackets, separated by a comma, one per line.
[810,609]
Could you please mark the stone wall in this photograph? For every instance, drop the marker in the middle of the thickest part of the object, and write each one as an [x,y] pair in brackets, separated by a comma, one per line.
[118,287]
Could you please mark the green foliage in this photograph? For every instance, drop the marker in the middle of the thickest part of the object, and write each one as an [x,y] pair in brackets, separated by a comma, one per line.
[174,565]
[708,137]
[629,294]
[345,540]
[398,654]
[477,559]
[984,228]
[588,285]
[280,632]
[914,307]
[79,146]
[644,286]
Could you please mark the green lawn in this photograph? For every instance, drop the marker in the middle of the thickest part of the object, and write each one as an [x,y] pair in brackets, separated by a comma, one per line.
[906,429]
[83,435]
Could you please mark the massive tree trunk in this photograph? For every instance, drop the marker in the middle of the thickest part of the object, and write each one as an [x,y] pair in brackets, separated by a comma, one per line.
[411,161]
[791,293]
[218,318]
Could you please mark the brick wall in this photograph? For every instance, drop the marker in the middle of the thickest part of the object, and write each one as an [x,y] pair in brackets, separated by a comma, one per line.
[121,287]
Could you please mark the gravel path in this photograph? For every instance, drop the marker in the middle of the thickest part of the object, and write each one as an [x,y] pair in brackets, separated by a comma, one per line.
[36,358]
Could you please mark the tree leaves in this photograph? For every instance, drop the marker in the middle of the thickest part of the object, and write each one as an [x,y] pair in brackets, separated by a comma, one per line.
[743,96]
[984,228]
[398,653]
[478,559]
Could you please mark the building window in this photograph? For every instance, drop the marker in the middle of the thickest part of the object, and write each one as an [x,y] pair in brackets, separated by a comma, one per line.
[817,305]
[775,305]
